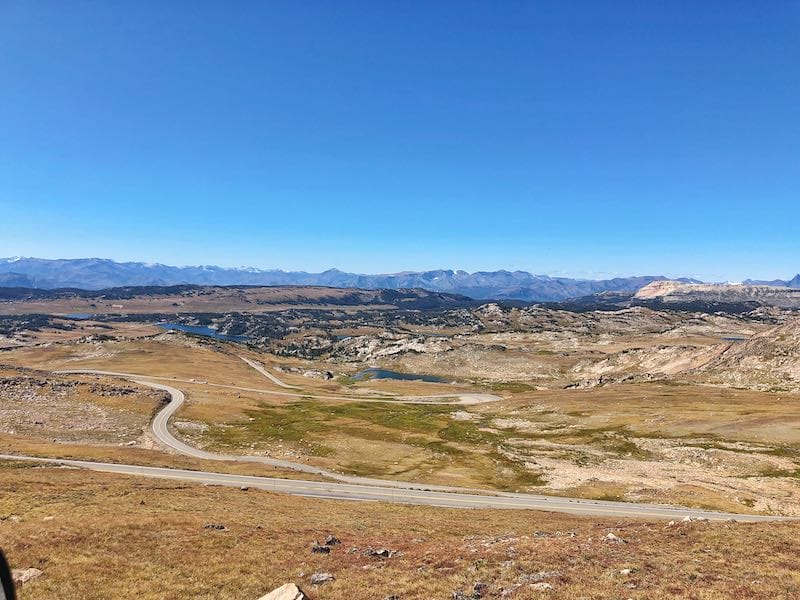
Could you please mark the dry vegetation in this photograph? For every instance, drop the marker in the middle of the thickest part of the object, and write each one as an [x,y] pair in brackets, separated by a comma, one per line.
[661,441]
[101,536]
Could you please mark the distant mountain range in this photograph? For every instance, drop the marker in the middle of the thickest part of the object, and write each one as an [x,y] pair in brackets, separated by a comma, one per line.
[97,273]
[792,283]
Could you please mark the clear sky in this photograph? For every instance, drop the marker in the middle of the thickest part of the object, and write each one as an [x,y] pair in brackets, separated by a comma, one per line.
[573,138]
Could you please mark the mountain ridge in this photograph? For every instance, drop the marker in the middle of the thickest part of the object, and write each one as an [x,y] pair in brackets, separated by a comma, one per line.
[100,273]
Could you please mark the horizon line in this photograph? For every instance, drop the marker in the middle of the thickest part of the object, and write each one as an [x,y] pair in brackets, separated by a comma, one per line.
[598,276]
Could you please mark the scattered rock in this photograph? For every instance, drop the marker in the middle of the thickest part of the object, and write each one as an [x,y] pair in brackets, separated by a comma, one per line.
[626,571]
[326,375]
[462,415]
[541,587]
[332,541]
[379,553]
[479,590]
[688,519]
[288,591]
[321,578]
[610,537]
[244,488]
[50,518]
[570,534]
[545,534]
[215,526]
[22,576]
[320,549]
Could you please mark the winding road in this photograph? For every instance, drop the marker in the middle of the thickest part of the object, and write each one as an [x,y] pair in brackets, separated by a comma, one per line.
[346,487]
[160,431]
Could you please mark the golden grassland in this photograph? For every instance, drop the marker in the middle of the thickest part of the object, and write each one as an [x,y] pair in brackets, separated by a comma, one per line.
[102,536]
[665,408]
[38,447]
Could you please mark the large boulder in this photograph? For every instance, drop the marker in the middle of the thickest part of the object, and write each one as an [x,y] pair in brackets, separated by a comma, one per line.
[21,576]
[288,591]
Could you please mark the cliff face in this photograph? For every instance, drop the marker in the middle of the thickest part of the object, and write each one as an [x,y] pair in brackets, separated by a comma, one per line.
[675,292]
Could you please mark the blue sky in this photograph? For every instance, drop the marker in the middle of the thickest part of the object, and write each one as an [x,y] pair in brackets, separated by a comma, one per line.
[582,138]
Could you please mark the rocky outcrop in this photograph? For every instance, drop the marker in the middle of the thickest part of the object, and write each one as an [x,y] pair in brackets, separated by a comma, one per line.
[767,360]
[671,293]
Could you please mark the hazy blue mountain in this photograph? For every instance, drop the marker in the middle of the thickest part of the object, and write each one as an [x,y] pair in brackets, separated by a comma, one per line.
[12,279]
[791,283]
[97,273]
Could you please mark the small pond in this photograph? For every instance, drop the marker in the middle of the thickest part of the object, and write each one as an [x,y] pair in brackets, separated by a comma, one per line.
[373,373]
[205,331]
[79,316]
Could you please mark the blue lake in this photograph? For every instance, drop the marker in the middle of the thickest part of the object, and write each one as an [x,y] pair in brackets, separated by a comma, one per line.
[385,374]
[205,331]
[79,316]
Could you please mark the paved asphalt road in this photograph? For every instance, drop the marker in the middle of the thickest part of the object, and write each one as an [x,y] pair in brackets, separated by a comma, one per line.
[160,430]
[362,488]
[342,491]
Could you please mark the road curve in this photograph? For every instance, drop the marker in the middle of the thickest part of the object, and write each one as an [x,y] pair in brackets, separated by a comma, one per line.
[160,430]
[364,488]
[426,497]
